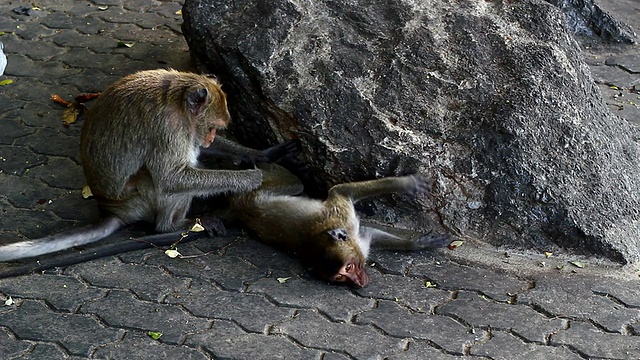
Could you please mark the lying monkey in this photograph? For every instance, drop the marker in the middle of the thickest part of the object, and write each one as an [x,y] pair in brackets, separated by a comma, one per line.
[326,235]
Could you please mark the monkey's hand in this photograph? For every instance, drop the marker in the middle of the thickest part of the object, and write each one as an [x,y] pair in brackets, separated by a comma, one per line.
[420,184]
[432,241]
[288,149]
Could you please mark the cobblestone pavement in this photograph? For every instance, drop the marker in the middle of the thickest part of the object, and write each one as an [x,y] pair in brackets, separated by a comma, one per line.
[474,302]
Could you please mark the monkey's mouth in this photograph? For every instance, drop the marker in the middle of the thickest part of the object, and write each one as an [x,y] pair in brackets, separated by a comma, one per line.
[208,139]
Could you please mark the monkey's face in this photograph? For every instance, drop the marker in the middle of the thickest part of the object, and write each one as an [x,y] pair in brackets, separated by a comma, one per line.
[340,259]
[207,107]
[352,273]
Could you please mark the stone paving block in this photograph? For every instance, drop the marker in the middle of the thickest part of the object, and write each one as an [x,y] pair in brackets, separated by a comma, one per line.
[63,292]
[62,173]
[11,347]
[252,312]
[310,329]
[25,192]
[482,312]
[410,291]
[504,346]
[402,323]
[337,302]
[16,160]
[121,309]
[497,285]
[229,272]
[77,333]
[621,290]
[55,143]
[94,42]
[264,256]
[33,223]
[596,344]
[398,263]
[421,350]
[45,71]
[571,296]
[138,345]
[227,341]
[12,129]
[150,283]
[35,114]
[48,351]
[43,52]
[72,206]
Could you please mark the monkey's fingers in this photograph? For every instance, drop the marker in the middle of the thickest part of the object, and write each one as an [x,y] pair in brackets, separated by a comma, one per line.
[287,149]
[433,241]
[422,184]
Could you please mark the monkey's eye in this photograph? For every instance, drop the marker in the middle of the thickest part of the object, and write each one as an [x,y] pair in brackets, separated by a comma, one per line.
[339,277]
[349,267]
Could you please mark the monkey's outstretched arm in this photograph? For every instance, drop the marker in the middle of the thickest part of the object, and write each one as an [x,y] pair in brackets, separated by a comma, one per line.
[57,242]
[412,184]
[382,239]
[98,252]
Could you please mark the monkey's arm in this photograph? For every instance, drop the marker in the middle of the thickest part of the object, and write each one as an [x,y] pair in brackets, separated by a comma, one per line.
[382,239]
[412,184]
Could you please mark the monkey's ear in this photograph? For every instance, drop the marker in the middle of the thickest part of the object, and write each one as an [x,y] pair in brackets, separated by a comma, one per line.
[197,100]
[339,234]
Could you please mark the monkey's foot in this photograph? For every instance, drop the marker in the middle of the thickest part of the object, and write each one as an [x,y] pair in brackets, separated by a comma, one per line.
[213,225]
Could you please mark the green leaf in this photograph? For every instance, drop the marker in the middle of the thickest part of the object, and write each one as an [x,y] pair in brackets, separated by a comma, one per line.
[6,82]
[155,335]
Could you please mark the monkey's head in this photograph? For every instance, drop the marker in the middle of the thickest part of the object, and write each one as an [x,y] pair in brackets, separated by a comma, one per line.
[206,108]
[339,259]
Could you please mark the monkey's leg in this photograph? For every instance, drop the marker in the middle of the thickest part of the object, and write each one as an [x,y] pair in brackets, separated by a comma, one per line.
[172,212]
[363,189]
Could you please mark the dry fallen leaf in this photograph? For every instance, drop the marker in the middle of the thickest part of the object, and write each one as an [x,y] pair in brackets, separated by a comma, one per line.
[283,280]
[429,284]
[577,264]
[179,12]
[86,192]
[9,302]
[59,100]
[124,44]
[172,253]
[82,98]
[197,227]
[455,244]
[70,114]
[547,254]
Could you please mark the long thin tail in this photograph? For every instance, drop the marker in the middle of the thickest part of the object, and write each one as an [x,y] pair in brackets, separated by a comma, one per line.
[97,252]
[61,241]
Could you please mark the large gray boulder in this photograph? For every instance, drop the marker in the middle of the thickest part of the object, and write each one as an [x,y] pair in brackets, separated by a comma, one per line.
[490,98]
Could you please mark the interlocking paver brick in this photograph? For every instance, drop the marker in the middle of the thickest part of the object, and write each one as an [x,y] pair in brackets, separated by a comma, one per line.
[311,329]
[504,346]
[410,291]
[402,323]
[336,302]
[498,286]
[62,292]
[138,345]
[10,346]
[172,321]
[227,341]
[16,160]
[597,344]
[79,334]
[151,283]
[421,350]
[573,298]
[483,312]
[25,192]
[252,312]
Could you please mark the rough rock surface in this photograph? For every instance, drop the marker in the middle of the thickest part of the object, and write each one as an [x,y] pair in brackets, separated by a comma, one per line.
[585,17]
[492,99]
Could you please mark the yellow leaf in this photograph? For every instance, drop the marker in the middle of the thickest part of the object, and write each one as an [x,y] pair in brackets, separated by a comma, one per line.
[577,264]
[70,114]
[172,253]
[429,284]
[197,227]
[179,12]
[86,192]
[547,254]
[6,82]
[455,244]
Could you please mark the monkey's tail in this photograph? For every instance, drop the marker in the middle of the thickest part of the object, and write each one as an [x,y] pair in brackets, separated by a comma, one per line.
[61,241]
[98,252]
